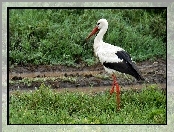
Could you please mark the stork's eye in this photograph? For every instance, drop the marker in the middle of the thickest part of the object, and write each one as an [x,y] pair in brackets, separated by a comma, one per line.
[98,23]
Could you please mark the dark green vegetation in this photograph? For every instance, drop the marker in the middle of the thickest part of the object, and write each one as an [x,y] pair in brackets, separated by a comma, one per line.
[56,36]
[45,106]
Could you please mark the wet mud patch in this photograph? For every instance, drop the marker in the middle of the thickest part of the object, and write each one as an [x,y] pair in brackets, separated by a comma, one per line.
[61,77]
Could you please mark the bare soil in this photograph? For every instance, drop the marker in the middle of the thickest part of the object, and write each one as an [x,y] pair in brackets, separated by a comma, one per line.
[84,77]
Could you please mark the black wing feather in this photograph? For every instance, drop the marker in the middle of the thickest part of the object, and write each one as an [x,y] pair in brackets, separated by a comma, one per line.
[126,66]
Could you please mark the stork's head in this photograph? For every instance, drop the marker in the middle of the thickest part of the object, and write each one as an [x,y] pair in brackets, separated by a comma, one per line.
[101,24]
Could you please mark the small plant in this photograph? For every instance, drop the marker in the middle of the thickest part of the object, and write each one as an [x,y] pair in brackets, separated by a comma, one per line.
[102,76]
[69,79]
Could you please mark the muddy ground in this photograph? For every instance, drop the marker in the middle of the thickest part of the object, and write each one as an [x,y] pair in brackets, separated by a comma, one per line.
[81,77]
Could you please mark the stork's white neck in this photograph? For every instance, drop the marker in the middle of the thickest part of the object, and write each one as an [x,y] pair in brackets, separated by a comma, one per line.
[98,41]
[99,37]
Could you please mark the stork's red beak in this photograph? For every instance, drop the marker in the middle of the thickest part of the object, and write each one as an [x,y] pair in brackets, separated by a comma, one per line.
[93,32]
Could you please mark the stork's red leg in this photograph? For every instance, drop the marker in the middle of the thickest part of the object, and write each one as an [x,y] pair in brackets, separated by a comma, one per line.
[115,84]
[112,89]
[117,91]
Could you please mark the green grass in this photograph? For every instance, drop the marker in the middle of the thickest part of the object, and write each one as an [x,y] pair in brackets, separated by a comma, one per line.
[45,106]
[56,36]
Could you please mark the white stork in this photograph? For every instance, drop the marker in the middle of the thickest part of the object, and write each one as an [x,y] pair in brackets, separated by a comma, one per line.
[112,57]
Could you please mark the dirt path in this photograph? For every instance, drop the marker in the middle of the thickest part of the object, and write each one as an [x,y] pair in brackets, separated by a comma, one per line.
[94,90]
[83,78]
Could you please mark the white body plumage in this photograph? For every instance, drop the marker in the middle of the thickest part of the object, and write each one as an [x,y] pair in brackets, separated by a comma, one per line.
[106,53]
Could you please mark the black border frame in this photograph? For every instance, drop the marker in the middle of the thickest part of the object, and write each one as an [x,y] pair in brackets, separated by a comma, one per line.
[8,8]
